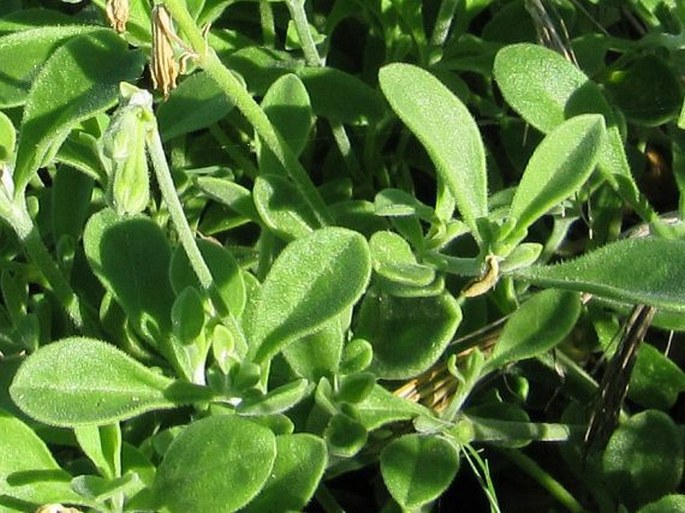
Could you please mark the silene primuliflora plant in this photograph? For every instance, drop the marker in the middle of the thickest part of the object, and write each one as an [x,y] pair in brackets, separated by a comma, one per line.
[330,255]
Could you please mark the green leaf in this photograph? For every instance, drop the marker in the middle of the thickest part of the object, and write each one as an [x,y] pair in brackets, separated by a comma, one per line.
[356,357]
[644,458]
[282,207]
[300,463]
[345,435]
[277,400]
[559,166]
[536,326]
[667,504]
[22,54]
[229,193]
[196,103]
[446,129]
[382,407]
[418,469]
[544,87]
[287,105]
[393,259]
[8,139]
[261,67]
[656,381]
[647,91]
[228,278]
[102,445]
[188,315]
[396,202]
[131,257]
[318,354]
[80,381]
[314,279]
[341,97]
[86,71]
[649,271]
[219,463]
[408,335]
[28,472]
[71,194]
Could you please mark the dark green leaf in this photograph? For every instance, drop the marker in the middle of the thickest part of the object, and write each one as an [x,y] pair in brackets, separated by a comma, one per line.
[80,381]
[644,458]
[131,256]
[647,92]
[407,334]
[656,380]
[219,463]
[418,469]
[196,103]
[341,97]
[227,275]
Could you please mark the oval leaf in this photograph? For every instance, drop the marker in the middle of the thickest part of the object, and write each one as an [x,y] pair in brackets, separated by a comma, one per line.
[408,335]
[80,381]
[300,462]
[644,458]
[22,53]
[558,167]
[22,452]
[86,71]
[446,129]
[544,87]
[196,103]
[216,464]
[649,271]
[282,207]
[393,259]
[537,326]
[418,469]
[130,256]
[313,280]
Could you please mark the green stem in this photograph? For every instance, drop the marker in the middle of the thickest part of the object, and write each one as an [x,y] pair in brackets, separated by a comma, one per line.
[20,220]
[299,17]
[266,17]
[327,501]
[168,189]
[345,148]
[235,90]
[554,487]
[443,22]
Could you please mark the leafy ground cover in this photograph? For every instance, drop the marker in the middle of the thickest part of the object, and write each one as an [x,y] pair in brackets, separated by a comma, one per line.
[341,255]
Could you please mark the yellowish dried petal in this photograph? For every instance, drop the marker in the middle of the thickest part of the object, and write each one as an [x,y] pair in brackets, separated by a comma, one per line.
[117,13]
[163,65]
[486,281]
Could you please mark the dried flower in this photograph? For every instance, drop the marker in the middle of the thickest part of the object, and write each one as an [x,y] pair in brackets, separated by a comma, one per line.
[163,65]
[117,14]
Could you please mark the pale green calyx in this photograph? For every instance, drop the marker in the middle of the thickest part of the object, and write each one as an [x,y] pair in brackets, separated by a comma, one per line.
[123,150]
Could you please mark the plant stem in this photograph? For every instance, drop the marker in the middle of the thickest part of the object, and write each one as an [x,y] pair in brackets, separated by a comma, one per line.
[443,22]
[21,222]
[554,487]
[266,17]
[299,17]
[327,501]
[168,189]
[234,89]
